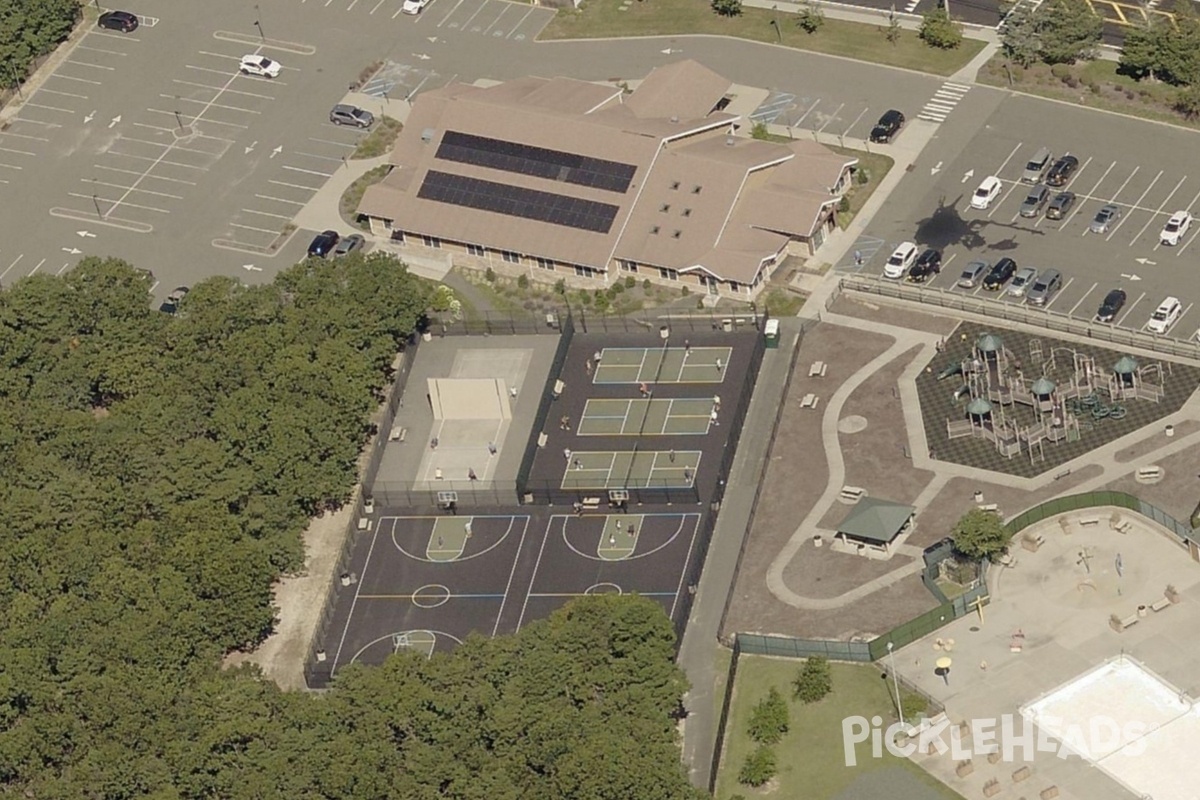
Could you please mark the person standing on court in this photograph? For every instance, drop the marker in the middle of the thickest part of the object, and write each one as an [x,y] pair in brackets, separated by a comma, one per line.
[492,448]
[720,364]
[567,453]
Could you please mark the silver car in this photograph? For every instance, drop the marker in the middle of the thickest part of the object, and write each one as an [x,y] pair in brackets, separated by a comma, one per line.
[1105,218]
[1049,282]
[1021,281]
[972,274]
[1035,201]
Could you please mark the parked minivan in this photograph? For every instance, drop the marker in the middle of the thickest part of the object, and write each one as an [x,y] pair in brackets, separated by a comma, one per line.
[1037,166]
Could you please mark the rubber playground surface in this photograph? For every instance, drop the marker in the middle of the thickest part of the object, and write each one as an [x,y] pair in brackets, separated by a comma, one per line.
[662,365]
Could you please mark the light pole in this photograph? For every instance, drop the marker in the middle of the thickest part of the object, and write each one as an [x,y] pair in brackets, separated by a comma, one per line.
[775,24]
[96,200]
[895,681]
[178,118]
[258,24]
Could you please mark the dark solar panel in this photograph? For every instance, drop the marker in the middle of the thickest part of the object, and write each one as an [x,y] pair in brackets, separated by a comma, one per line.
[523,159]
[557,209]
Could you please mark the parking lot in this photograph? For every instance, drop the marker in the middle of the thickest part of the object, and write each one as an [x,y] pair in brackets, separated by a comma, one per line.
[1148,185]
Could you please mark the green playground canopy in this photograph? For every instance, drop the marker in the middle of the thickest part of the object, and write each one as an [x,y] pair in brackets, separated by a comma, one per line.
[874,520]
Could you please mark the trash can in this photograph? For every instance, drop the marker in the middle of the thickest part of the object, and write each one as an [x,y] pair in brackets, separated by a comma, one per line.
[771,331]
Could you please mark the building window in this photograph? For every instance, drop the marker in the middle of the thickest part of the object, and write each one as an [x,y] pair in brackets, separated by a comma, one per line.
[475,250]
[583,272]
[398,236]
[544,263]
[687,212]
[674,184]
[668,274]
[629,266]
[696,189]
[510,257]
[665,207]
[432,241]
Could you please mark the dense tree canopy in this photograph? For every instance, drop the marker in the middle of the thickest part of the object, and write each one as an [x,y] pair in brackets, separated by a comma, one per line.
[157,472]
[30,29]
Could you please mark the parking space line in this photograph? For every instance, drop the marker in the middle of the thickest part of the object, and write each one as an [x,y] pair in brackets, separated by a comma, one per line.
[64,94]
[93,66]
[279,199]
[91,182]
[266,213]
[832,117]
[1136,205]
[217,88]
[294,186]
[24,136]
[520,22]
[10,266]
[100,50]
[1075,177]
[796,124]
[159,160]
[996,205]
[1158,212]
[348,145]
[178,147]
[210,104]
[1120,189]
[220,55]
[9,166]
[63,268]
[136,172]
[1059,294]
[49,108]
[35,269]
[224,72]
[1125,316]
[1179,321]
[1004,163]
[38,121]
[108,200]
[307,171]
[124,37]
[77,80]
[250,228]
[338,159]
[171,114]
[1086,196]
[17,152]
[1071,313]
[377,5]
[848,127]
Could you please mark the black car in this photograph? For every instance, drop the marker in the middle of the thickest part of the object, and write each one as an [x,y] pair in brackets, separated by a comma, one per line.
[1114,301]
[887,127]
[118,21]
[1060,205]
[171,304]
[324,243]
[1062,171]
[928,264]
[1001,274]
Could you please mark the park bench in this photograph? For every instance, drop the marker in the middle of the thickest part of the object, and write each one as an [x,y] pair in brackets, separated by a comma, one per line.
[817,370]
[1160,604]
[398,434]
[1089,521]
[591,502]
[810,401]
[852,494]
[990,507]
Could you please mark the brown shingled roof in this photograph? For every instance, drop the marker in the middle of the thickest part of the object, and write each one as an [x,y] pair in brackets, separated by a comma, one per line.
[685,89]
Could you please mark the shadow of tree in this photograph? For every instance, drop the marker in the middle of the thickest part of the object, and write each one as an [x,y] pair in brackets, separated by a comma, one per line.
[946,226]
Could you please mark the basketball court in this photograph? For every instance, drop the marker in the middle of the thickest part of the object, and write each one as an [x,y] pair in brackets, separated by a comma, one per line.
[661,365]
[631,469]
[646,417]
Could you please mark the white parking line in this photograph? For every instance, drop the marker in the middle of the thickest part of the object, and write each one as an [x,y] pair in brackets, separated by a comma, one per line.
[294,185]
[100,50]
[35,269]
[10,266]
[178,147]
[997,203]
[1079,206]
[159,160]
[64,94]
[796,124]
[77,80]
[108,200]
[1137,204]
[135,172]
[1158,212]
[38,122]
[831,118]
[1004,163]
[9,166]
[63,268]
[91,182]
[210,104]
[124,37]
[1058,295]
[49,108]
[449,15]
[338,159]
[1120,189]
[307,171]
[266,213]
[224,72]
[520,22]
[1181,316]
[279,199]
[250,228]
[18,152]
[93,66]
[171,114]
[217,88]
[1121,321]
[377,5]
[1071,313]
[348,145]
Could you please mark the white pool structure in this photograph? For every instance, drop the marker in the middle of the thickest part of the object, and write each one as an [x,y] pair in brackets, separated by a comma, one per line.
[1131,724]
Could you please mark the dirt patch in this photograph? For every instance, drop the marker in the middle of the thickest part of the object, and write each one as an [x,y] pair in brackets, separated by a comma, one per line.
[821,573]
[1179,490]
[1149,445]
[852,306]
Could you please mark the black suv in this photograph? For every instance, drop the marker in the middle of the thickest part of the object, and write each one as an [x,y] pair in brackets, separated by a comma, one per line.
[887,127]
[1001,274]
[928,264]
[1062,171]
[324,243]
[118,21]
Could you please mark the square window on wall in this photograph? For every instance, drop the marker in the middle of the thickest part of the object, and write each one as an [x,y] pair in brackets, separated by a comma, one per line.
[510,257]
[475,250]
[544,263]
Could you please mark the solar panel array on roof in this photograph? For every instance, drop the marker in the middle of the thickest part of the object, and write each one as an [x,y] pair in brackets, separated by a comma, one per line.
[523,159]
[557,209]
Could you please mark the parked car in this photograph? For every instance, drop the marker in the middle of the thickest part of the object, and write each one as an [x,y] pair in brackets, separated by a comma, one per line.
[122,21]
[414,6]
[1036,167]
[1044,288]
[344,114]
[900,260]
[1062,170]
[988,191]
[261,66]
[1105,218]
[171,304]
[929,263]
[1175,228]
[1060,205]
[1001,274]
[348,245]
[973,274]
[1112,304]
[888,126]
[323,243]
[1021,281]
[1167,314]
[1035,201]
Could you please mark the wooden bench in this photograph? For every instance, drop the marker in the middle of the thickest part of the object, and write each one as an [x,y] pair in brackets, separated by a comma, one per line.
[1124,526]
[817,370]
[559,386]
[1089,521]
[810,401]
[364,523]
[990,507]
[398,434]
[1149,474]
[1160,604]
[852,494]
[590,502]
[1132,619]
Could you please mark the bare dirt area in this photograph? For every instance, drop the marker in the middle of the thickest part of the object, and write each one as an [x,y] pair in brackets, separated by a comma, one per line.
[875,614]
[820,572]
[893,315]
[1152,443]
[1177,493]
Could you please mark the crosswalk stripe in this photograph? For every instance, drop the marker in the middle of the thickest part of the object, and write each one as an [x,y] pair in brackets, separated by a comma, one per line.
[958,86]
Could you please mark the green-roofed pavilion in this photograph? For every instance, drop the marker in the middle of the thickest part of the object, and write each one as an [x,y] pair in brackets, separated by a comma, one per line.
[873,524]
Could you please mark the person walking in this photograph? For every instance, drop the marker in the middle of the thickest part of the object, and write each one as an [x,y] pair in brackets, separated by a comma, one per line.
[467,528]
[492,448]
[471,476]
[720,365]
[671,456]
[567,453]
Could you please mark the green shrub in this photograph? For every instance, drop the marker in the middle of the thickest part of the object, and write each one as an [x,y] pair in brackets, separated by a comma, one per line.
[560,287]
[862,176]
[646,285]
[813,681]
[630,281]
[523,281]
[769,718]
[759,767]
[684,291]
[490,275]
[1061,71]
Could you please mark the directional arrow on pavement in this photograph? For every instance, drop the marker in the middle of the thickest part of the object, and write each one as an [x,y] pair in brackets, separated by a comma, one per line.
[277,151]
[968,175]
[421,56]
[86,234]
[432,38]
[936,169]
[72,250]
[669,51]
[115,120]
[90,117]
[251,268]
[1145,262]
[1130,277]
[251,146]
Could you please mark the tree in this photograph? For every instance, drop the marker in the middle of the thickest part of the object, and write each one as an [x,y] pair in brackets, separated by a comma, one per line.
[1068,30]
[1187,102]
[1020,37]
[769,718]
[813,681]
[980,534]
[938,30]
[810,17]
[758,768]
[759,131]
[727,8]
[893,31]
[1141,51]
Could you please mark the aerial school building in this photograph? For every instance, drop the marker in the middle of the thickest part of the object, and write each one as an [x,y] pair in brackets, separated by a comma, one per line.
[561,178]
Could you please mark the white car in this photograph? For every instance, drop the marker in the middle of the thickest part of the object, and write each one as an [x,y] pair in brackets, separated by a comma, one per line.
[414,6]
[899,262]
[260,66]
[1167,314]
[1175,228]
[988,191]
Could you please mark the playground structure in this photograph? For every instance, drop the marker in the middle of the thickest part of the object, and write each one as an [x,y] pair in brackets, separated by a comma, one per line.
[1066,394]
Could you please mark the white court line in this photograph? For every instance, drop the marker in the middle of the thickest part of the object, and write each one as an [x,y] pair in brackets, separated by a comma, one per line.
[611,463]
[279,199]
[357,590]
[100,50]
[35,269]
[216,88]
[77,80]
[91,182]
[64,94]
[159,160]
[107,200]
[1137,204]
[87,64]
[211,104]
[314,155]
[136,172]
[266,213]
[683,570]
[251,228]
[10,266]
[537,565]
[17,152]
[49,108]
[1157,213]
[516,561]
[308,171]
[653,467]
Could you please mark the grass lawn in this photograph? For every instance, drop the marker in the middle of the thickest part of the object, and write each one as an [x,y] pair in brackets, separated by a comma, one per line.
[782,303]
[380,140]
[875,165]
[950,588]
[355,191]
[601,19]
[810,757]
